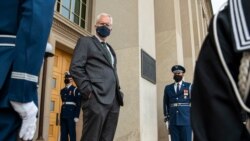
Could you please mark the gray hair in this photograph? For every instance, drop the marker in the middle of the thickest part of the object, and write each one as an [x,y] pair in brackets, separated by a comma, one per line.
[104,14]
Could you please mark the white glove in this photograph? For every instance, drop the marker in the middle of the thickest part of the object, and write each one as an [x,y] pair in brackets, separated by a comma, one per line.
[166,125]
[76,119]
[27,112]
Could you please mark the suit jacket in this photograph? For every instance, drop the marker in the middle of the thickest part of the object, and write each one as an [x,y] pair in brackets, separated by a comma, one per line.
[24,30]
[177,114]
[93,73]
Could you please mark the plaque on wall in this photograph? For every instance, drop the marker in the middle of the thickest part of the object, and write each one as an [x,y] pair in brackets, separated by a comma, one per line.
[148,67]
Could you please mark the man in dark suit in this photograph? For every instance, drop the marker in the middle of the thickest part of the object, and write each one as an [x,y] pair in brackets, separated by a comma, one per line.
[70,110]
[220,92]
[24,30]
[93,68]
[177,105]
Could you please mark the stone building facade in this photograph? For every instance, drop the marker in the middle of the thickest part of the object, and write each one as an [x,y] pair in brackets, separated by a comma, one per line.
[165,32]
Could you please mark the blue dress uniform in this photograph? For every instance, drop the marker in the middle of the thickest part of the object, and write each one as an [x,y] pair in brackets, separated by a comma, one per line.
[71,103]
[177,105]
[24,30]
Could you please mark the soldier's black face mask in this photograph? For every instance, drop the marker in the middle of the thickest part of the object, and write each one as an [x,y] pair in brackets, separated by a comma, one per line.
[66,81]
[177,78]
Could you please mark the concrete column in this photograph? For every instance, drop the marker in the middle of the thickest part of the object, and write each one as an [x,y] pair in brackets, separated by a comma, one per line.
[199,22]
[168,43]
[47,99]
[46,115]
[195,24]
[187,38]
[179,31]
[148,93]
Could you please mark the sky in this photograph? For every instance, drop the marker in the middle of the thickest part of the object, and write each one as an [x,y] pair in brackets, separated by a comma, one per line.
[216,4]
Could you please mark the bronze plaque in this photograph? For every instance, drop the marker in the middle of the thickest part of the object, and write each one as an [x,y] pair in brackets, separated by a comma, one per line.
[148,67]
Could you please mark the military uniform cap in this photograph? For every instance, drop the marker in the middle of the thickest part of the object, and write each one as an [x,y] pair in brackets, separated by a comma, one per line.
[67,75]
[178,69]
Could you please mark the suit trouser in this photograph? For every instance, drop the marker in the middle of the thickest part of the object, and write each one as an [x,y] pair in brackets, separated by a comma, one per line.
[99,121]
[180,133]
[10,123]
[68,127]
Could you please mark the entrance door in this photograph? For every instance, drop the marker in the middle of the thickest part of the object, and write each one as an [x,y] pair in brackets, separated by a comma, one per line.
[61,65]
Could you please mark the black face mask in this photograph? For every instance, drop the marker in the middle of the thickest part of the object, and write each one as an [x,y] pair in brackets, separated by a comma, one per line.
[177,78]
[103,31]
[66,81]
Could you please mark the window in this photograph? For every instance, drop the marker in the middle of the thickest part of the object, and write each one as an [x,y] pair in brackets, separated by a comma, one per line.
[76,11]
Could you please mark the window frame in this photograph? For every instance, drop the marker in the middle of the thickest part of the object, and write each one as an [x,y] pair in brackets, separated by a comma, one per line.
[82,21]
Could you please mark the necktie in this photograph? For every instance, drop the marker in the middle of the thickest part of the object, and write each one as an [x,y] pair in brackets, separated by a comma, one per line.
[178,88]
[104,45]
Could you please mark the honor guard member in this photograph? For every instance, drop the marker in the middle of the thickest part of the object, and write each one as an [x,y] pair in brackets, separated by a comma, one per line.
[220,92]
[24,31]
[177,105]
[70,110]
